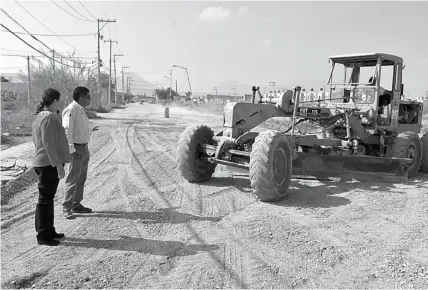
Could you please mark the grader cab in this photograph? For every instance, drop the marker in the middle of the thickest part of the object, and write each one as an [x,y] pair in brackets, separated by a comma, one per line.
[366,130]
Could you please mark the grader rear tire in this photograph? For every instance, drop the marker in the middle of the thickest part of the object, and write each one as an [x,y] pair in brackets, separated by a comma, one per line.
[270,166]
[424,163]
[189,151]
[407,145]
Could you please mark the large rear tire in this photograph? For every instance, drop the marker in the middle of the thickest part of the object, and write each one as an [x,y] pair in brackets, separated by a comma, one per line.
[190,151]
[270,166]
[424,163]
[407,145]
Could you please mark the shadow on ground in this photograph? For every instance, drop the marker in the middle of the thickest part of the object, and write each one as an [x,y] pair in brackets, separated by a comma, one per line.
[141,245]
[166,215]
[320,193]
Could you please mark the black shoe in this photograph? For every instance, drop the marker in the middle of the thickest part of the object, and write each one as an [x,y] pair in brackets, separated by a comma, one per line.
[51,242]
[81,209]
[58,235]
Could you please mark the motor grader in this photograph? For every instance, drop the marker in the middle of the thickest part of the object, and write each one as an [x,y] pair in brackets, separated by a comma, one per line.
[366,129]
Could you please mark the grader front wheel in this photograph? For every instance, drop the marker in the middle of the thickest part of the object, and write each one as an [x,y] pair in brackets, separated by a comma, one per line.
[270,166]
[190,152]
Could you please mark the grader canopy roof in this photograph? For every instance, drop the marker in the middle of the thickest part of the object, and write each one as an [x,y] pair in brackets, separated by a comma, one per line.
[365,59]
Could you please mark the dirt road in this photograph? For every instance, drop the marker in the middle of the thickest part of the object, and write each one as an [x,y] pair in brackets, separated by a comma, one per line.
[152,229]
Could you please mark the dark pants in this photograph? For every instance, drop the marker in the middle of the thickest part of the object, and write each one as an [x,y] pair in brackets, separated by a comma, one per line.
[48,184]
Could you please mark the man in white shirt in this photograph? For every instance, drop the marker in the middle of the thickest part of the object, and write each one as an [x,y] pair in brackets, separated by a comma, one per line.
[76,125]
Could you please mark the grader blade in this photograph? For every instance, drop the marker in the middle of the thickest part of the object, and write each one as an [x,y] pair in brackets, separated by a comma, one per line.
[348,167]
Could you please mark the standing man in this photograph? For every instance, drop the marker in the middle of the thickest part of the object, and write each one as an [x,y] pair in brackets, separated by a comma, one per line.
[76,125]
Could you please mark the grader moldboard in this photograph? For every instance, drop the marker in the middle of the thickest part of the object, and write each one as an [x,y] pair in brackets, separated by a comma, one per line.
[366,131]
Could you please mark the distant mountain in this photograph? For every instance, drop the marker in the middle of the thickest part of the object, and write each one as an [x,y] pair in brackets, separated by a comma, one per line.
[138,85]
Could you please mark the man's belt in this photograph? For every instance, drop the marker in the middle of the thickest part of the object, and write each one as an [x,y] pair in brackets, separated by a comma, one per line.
[82,144]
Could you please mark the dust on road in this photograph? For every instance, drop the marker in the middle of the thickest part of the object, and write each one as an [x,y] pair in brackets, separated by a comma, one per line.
[152,229]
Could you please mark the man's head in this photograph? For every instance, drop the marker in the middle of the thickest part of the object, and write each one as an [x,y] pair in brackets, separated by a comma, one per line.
[81,96]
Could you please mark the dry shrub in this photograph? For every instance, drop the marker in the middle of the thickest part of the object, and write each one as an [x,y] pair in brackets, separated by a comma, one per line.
[20,116]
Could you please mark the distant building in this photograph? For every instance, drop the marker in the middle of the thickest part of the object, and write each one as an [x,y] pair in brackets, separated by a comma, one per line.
[13,77]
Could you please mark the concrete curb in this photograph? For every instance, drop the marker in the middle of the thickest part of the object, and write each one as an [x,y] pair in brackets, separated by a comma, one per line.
[22,154]
[18,184]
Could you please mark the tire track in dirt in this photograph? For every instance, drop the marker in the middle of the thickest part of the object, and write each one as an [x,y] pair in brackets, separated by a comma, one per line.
[214,257]
[234,258]
[196,193]
[123,146]
[396,254]
[21,221]
[348,229]
[21,209]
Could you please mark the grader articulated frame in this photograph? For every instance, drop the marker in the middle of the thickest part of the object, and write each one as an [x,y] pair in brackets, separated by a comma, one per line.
[366,132]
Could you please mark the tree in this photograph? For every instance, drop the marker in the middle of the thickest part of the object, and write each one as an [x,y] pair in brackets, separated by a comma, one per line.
[164,94]
[65,79]
[4,80]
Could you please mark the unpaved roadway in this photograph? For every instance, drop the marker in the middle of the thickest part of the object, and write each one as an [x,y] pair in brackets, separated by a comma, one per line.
[152,229]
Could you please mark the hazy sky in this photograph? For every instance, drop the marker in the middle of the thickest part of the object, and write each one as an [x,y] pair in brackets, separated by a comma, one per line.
[248,42]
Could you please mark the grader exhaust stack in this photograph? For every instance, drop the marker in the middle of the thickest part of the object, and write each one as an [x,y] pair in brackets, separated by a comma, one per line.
[362,132]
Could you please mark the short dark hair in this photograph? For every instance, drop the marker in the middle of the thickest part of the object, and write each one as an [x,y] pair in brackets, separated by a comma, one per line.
[78,92]
[48,97]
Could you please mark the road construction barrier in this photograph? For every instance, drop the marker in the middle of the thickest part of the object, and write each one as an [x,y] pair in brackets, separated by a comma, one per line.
[166,112]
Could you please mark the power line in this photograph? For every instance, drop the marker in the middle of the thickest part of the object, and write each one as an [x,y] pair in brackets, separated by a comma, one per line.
[115,34]
[33,35]
[39,50]
[56,35]
[44,25]
[88,11]
[77,57]
[28,51]
[14,55]
[78,12]
[70,13]
[24,29]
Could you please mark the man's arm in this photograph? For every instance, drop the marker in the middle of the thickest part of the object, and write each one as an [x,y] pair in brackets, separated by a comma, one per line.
[68,119]
[50,139]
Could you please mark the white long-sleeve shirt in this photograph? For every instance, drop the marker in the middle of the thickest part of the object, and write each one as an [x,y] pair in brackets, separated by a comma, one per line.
[76,125]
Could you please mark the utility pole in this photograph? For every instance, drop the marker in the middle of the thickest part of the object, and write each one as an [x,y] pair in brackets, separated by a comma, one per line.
[53,61]
[109,76]
[123,82]
[170,91]
[115,78]
[272,84]
[176,87]
[128,82]
[29,83]
[99,58]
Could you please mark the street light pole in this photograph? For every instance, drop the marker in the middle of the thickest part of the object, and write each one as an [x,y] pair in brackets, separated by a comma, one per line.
[187,73]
